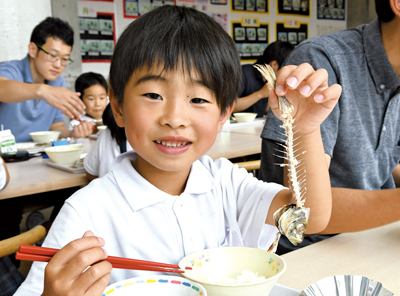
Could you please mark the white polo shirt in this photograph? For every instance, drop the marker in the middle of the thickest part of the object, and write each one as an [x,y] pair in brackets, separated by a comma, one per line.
[3,176]
[221,205]
[100,158]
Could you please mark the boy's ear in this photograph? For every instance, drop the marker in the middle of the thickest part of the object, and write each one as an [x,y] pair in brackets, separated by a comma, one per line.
[116,109]
[395,5]
[224,117]
[32,50]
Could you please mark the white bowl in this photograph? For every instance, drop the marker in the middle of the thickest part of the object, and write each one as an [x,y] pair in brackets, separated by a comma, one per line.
[245,117]
[166,285]
[67,155]
[212,266]
[45,136]
[101,128]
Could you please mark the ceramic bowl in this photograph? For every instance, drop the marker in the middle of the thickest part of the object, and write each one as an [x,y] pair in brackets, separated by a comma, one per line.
[217,270]
[66,155]
[101,128]
[166,285]
[244,117]
[46,136]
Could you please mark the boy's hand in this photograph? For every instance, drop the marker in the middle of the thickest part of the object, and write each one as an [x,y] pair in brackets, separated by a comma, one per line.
[64,274]
[84,129]
[308,91]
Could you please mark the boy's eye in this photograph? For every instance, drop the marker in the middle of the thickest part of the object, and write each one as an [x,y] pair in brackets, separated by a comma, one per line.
[198,101]
[153,96]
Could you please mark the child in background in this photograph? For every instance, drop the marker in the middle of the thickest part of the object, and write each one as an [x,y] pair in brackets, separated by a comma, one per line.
[174,77]
[94,90]
[111,143]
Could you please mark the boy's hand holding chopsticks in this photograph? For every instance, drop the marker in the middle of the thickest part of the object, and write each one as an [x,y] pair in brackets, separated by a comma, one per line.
[64,274]
[79,255]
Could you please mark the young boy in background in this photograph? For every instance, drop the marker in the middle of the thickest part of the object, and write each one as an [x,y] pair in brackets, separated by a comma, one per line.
[174,78]
[93,91]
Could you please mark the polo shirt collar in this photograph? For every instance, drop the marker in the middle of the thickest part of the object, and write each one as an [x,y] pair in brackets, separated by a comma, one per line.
[27,70]
[140,193]
[382,72]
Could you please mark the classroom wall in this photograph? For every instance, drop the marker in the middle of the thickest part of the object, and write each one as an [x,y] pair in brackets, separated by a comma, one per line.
[19,18]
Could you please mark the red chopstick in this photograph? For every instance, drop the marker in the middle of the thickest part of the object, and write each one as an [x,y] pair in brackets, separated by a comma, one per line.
[42,254]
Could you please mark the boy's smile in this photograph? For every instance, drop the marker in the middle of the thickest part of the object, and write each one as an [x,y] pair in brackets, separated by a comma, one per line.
[170,120]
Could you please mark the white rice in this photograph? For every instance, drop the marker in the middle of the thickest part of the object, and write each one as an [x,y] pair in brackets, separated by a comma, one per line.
[245,276]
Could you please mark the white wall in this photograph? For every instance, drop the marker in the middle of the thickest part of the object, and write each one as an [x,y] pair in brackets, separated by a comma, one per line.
[18,18]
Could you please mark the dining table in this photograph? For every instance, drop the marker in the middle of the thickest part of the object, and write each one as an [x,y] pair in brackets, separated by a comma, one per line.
[373,253]
[35,176]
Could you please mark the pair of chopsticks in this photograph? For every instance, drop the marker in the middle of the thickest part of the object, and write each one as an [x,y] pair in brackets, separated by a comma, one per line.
[42,254]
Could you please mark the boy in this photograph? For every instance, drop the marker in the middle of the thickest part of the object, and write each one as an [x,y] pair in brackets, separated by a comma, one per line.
[33,96]
[93,89]
[174,78]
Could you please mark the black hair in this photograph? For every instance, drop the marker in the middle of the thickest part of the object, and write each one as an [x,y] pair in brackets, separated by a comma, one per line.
[53,27]
[89,79]
[173,36]
[276,51]
[117,133]
[384,11]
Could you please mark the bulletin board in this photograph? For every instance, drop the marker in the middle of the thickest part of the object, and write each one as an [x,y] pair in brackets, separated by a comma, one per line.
[97,37]
[251,37]
[252,24]
[331,10]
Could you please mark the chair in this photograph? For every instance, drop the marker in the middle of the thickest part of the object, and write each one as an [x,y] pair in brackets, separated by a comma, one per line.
[249,165]
[252,166]
[11,245]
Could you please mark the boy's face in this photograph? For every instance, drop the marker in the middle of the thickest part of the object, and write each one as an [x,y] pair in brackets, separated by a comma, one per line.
[41,66]
[95,100]
[170,120]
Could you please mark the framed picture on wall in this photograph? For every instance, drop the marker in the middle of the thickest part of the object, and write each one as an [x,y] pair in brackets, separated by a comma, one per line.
[292,31]
[331,10]
[293,7]
[250,6]
[251,38]
[97,36]
[136,8]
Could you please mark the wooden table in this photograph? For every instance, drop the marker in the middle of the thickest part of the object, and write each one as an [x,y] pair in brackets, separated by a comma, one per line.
[34,176]
[373,253]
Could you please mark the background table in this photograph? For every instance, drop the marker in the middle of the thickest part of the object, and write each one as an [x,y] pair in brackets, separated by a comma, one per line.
[34,176]
[373,253]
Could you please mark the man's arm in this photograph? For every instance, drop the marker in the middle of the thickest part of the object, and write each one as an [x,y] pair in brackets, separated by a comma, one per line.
[247,101]
[356,209]
[67,101]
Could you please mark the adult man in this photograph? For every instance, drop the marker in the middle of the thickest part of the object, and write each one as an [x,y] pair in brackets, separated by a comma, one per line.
[362,135]
[33,96]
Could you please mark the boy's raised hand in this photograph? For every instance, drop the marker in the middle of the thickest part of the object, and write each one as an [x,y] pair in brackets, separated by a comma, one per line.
[64,274]
[308,91]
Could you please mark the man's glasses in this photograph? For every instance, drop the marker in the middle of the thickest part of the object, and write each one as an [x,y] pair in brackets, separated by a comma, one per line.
[52,58]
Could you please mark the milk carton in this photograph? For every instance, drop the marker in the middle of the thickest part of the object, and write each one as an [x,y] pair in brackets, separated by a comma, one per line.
[7,142]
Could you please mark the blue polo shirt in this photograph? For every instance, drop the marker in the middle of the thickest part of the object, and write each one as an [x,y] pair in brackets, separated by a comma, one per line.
[28,116]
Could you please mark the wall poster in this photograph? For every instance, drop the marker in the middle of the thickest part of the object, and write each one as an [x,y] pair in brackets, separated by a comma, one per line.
[293,31]
[251,38]
[257,6]
[331,9]
[293,7]
[97,36]
[136,8]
